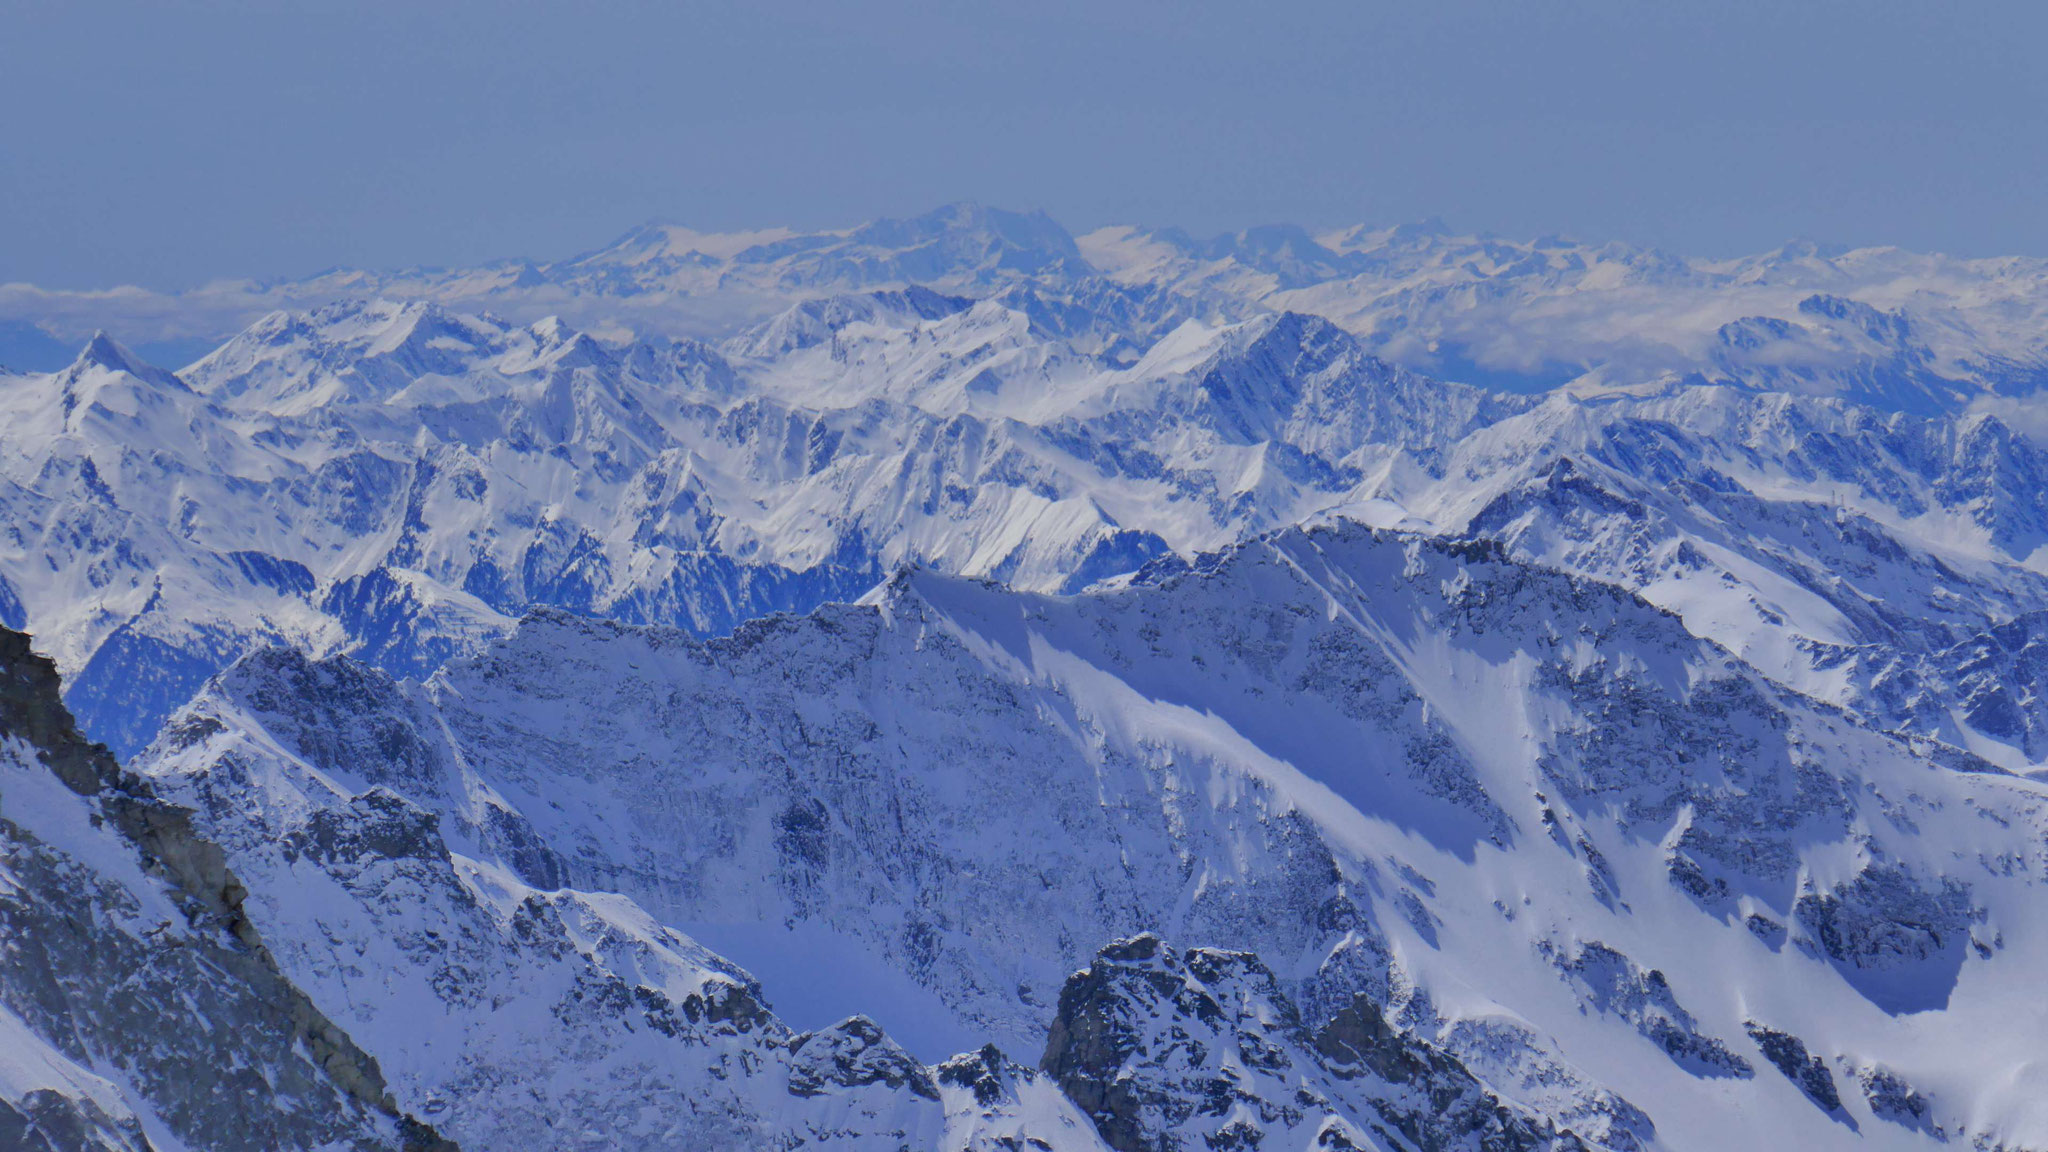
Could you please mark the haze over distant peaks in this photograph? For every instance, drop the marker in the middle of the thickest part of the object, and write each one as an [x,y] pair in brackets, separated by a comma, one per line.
[1909,330]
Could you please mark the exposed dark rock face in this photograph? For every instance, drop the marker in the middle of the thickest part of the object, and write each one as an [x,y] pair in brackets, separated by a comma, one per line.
[1886,919]
[1454,1109]
[1896,938]
[1788,1054]
[994,1104]
[192,1011]
[985,1072]
[1611,982]
[1891,1097]
[1765,929]
[1167,1050]
[2001,681]
[852,1054]
[45,1120]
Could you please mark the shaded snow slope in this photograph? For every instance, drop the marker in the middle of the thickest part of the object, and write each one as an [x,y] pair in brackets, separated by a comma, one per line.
[1525,817]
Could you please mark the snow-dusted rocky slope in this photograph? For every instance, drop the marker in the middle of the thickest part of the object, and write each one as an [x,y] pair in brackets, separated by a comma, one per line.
[143,1007]
[1885,562]
[139,1007]
[402,482]
[1469,815]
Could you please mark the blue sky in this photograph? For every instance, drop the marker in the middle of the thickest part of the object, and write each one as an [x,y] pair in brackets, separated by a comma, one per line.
[171,142]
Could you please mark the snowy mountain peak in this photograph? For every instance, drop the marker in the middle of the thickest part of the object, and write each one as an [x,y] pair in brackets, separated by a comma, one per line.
[663,241]
[103,354]
[1012,241]
[1476,847]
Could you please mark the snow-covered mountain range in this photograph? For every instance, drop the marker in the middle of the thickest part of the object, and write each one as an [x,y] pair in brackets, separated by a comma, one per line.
[1907,329]
[1375,689]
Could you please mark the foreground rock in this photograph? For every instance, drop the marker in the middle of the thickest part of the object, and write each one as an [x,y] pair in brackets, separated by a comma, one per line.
[139,1006]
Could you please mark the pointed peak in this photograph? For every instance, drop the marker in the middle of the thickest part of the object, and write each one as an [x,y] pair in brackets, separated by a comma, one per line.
[1292,329]
[417,312]
[105,353]
[275,321]
[567,346]
[552,329]
[418,326]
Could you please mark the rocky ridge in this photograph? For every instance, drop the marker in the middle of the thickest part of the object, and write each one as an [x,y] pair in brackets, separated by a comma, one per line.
[143,1006]
[1525,819]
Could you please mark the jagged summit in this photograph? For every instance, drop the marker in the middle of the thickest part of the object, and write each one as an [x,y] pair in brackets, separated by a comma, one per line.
[103,354]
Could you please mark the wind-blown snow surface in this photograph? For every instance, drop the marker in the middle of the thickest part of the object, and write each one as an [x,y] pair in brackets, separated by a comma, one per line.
[1625,879]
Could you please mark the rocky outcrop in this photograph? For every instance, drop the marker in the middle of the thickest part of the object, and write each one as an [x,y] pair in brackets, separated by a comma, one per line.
[1788,1054]
[853,1054]
[124,935]
[1167,1050]
[1892,1097]
[1611,982]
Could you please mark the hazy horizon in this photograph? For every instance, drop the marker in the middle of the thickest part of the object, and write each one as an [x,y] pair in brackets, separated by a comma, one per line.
[1316,229]
[169,146]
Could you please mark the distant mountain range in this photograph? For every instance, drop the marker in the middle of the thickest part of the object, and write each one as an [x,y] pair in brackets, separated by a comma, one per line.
[1905,330]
